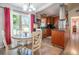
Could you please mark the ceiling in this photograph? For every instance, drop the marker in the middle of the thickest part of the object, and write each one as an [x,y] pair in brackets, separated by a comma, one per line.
[36,5]
[51,9]
[41,8]
[72,6]
[19,6]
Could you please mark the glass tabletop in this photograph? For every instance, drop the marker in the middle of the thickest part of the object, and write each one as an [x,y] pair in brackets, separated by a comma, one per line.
[22,36]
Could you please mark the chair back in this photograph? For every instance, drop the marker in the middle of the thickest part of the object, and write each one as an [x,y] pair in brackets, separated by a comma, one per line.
[37,37]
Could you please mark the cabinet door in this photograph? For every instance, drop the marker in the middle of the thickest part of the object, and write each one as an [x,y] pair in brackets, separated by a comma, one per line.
[48,32]
[61,39]
[58,38]
[48,20]
[54,37]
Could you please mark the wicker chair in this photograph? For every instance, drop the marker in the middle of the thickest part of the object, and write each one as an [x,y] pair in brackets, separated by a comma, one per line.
[36,43]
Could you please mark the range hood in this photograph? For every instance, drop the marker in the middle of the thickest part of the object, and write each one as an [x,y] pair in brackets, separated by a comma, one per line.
[62,15]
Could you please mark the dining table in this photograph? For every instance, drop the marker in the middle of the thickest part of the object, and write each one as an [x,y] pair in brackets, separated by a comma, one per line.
[22,39]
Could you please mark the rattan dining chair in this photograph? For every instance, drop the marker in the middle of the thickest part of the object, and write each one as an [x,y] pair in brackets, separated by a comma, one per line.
[36,43]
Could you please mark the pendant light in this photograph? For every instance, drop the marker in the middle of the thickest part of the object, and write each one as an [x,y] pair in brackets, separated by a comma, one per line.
[29,7]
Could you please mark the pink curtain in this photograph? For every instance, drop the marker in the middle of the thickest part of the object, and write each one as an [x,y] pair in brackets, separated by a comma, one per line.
[32,21]
[7,25]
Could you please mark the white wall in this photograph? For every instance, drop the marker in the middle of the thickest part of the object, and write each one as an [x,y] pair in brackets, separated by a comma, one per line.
[72,13]
[1,25]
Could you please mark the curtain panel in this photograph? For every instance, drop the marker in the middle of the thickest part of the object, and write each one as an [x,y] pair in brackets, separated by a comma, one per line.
[7,25]
[32,21]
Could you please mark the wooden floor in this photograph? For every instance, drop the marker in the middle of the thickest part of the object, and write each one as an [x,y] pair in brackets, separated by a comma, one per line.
[72,47]
[46,49]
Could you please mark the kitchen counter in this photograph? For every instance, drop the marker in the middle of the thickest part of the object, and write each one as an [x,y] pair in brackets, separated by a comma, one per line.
[58,38]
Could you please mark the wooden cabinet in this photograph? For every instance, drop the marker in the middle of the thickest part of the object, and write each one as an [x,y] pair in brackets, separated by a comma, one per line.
[58,38]
[46,33]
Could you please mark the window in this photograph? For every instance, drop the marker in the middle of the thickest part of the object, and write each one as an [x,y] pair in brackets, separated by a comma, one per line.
[16,24]
[21,23]
[26,25]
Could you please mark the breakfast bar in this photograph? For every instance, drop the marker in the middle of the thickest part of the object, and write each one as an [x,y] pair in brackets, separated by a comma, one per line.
[58,38]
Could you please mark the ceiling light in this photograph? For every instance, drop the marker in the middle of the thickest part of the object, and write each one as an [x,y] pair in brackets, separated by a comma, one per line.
[32,7]
[29,10]
[25,7]
[29,7]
